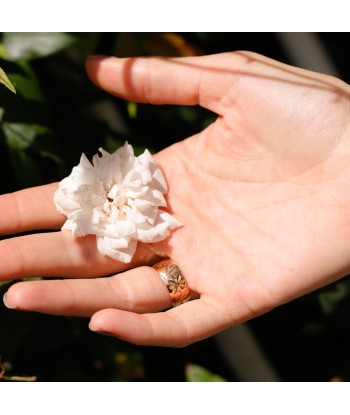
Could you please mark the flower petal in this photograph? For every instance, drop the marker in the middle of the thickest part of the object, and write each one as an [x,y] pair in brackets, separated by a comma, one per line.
[117,198]
[160,230]
[123,253]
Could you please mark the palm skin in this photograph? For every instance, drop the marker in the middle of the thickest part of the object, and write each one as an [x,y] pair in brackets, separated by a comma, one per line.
[262,193]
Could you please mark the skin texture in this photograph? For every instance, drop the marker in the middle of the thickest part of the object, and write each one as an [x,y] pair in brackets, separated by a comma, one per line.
[263,194]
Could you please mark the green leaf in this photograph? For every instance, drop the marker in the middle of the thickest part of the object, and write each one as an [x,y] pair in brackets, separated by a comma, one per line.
[52,156]
[330,299]
[33,45]
[21,136]
[26,171]
[26,82]
[5,81]
[27,88]
[195,373]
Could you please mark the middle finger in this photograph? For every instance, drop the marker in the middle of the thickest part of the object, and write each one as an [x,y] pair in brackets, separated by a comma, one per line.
[58,254]
[139,290]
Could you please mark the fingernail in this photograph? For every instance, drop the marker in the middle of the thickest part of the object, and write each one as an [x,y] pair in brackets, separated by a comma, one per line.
[6,303]
[104,333]
[99,331]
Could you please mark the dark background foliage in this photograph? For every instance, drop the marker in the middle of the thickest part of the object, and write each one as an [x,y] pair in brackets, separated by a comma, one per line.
[56,115]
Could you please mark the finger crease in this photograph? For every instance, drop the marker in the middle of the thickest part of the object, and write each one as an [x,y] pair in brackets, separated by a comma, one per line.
[119,288]
[20,268]
[183,327]
[16,211]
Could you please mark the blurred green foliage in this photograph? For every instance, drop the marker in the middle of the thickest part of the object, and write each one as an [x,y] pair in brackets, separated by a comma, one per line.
[196,373]
[55,115]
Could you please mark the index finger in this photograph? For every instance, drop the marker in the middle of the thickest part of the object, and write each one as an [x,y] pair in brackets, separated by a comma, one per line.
[29,209]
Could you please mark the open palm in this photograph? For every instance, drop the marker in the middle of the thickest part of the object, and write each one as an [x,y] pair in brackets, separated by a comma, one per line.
[262,193]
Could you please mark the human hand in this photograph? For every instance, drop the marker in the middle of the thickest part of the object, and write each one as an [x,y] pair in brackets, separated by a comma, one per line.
[262,193]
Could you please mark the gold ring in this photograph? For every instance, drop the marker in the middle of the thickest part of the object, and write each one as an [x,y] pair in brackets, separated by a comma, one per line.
[175,282]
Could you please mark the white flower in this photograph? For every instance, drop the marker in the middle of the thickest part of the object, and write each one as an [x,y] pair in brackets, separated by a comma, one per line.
[116,198]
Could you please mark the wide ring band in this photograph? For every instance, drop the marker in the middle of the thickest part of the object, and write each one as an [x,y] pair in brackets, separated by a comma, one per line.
[172,277]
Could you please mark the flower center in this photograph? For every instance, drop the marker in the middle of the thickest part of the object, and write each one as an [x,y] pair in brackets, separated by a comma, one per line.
[115,200]
[119,201]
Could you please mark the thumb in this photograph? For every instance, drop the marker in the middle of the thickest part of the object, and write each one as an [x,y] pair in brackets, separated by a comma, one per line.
[183,81]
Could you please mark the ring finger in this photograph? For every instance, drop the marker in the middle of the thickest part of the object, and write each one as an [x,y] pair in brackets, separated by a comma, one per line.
[139,290]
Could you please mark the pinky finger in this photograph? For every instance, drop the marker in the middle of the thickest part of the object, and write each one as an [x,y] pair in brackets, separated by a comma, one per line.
[177,327]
